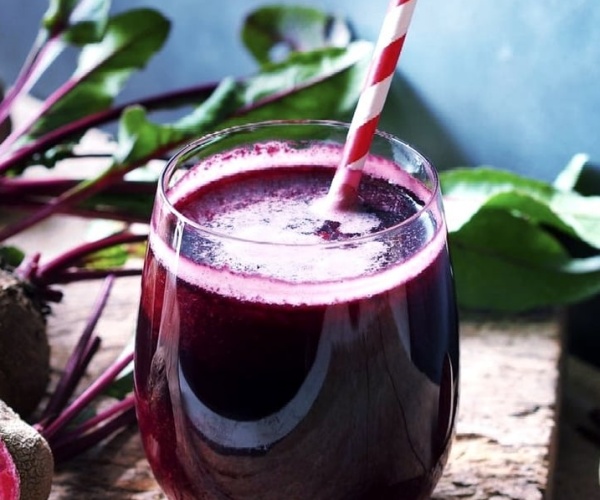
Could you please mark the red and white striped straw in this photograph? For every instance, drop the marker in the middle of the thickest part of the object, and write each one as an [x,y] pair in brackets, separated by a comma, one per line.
[343,190]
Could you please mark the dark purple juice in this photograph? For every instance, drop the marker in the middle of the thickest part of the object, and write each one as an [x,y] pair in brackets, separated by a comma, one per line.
[274,373]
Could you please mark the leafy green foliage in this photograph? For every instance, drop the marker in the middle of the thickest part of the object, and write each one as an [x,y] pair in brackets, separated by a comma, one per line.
[75,22]
[129,41]
[10,256]
[79,22]
[137,206]
[319,84]
[322,84]
[139,139]
[293,28]
[473,189]
[107,258]
[505,237]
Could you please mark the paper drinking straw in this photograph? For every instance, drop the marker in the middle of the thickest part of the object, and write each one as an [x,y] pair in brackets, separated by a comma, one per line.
[343,189]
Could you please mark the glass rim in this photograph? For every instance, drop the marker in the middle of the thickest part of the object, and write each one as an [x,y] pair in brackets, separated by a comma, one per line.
[210,138]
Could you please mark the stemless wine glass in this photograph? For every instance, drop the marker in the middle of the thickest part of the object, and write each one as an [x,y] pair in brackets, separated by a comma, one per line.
[284,352]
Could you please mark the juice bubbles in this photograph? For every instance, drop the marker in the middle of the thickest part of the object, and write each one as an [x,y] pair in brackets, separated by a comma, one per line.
[286,353]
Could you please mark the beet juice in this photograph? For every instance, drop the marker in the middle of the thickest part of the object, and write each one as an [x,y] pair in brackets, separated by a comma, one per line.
[284,352]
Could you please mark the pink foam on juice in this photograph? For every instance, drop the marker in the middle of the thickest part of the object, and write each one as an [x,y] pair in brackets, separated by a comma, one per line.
[263,259]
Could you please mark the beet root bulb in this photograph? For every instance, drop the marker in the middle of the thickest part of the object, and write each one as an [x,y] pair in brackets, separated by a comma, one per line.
[24,348]
[26,462]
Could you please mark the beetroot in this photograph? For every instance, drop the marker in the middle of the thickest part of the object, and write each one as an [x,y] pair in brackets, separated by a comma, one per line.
[24,348]
[10,482]
[26,462]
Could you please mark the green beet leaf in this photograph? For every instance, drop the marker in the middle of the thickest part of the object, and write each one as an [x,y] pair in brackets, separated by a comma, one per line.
[504,262]
[469,190]
[77,21]
[10,256]
[130,40]
[292,29]
[140,139]
[318,84]
[504,232]
[570,176]
[137,206]
[108,258]
[580,175]
[321,84]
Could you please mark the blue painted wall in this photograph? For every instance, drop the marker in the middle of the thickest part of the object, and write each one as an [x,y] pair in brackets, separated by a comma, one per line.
[512,84]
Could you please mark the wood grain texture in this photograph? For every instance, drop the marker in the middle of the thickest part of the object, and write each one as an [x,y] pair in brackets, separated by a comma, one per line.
[505,437]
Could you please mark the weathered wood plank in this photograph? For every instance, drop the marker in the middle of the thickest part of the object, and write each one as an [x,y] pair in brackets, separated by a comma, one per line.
[506,427]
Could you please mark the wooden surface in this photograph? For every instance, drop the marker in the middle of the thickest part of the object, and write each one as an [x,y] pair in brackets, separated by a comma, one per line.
[504,442]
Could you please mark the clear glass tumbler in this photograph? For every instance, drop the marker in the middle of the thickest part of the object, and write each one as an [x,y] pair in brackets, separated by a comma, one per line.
[284,352]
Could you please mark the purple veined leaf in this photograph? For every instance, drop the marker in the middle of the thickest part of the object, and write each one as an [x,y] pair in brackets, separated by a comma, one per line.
[130,40]
[65,22]
[319,84]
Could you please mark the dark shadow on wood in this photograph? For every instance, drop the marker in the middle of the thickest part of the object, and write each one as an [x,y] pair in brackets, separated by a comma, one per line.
[582,318]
